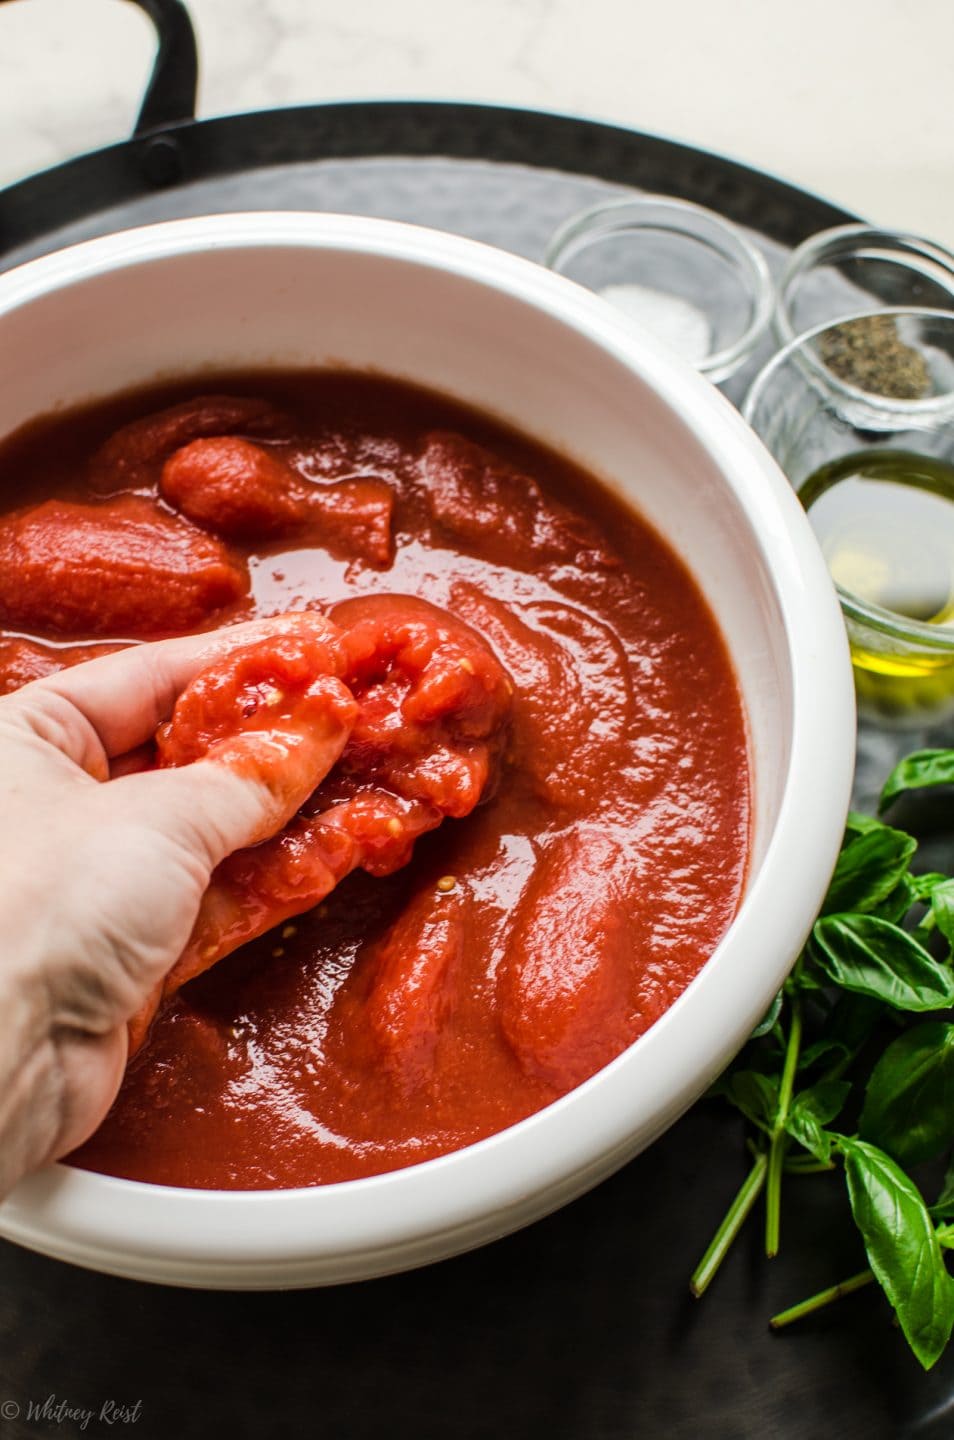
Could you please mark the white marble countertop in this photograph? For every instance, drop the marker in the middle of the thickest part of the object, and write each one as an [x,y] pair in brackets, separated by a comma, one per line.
[850,98]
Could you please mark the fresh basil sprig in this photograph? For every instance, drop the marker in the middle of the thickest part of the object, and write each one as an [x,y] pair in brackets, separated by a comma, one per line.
[863,1031]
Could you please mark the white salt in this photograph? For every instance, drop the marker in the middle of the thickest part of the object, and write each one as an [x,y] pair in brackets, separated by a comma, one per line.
[676,322]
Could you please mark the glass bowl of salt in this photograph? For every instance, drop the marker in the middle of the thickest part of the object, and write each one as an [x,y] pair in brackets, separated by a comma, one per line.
[677,270]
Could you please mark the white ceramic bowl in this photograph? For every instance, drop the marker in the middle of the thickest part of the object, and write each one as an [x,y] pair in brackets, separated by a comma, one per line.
[543,354]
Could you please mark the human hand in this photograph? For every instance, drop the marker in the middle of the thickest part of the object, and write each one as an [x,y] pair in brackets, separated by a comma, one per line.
[102,869]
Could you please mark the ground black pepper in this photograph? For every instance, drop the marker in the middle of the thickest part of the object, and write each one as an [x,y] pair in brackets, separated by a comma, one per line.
[869,353]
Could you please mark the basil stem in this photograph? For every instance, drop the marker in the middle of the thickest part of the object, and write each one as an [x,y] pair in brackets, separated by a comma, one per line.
[735,1218]
[779,1138]
[824,1297]
[809,1166]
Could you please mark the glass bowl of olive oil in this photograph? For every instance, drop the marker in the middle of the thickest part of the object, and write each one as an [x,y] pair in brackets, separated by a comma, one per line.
[859,414]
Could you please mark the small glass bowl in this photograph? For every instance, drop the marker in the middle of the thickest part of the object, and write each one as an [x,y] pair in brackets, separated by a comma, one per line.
[853,268]
[689,277]
[814,419]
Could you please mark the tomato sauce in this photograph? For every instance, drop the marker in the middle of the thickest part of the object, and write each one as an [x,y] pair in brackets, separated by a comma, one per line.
[535,825]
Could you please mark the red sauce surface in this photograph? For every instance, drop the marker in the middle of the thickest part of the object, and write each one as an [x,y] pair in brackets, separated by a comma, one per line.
[447,986]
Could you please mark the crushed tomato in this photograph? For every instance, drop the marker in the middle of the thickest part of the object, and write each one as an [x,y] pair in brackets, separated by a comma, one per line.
[534,822]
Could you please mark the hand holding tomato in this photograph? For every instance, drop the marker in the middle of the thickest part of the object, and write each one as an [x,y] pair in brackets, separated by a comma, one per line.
[102,882]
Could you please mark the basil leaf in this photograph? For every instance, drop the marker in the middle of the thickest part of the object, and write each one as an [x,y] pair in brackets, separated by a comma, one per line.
[899,902]
[847,1027]
[768,1020]
[924,886]
[909,1100]
[811,1110]
[857,824]
[804,981]
[818,1050]
[916,771]
[755,1095]
[903,1249]
[942,908]
[943,1207]
[873,957]
[869,869]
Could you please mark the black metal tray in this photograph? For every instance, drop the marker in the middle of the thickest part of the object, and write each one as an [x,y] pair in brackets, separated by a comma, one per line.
[580,1327]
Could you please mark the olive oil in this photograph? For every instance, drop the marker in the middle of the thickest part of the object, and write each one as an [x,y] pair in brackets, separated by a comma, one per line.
[885,522]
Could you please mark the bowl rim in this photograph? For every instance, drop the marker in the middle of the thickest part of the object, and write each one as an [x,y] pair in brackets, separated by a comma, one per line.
[257,1239]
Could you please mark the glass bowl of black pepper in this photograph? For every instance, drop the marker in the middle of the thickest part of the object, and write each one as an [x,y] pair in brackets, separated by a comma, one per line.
[859,414]
[692,279]
[852,268]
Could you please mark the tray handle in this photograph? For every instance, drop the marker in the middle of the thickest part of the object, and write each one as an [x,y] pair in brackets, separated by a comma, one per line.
[171,90]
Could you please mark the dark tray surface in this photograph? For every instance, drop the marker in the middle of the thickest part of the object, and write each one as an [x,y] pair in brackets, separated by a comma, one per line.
[580,1326]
